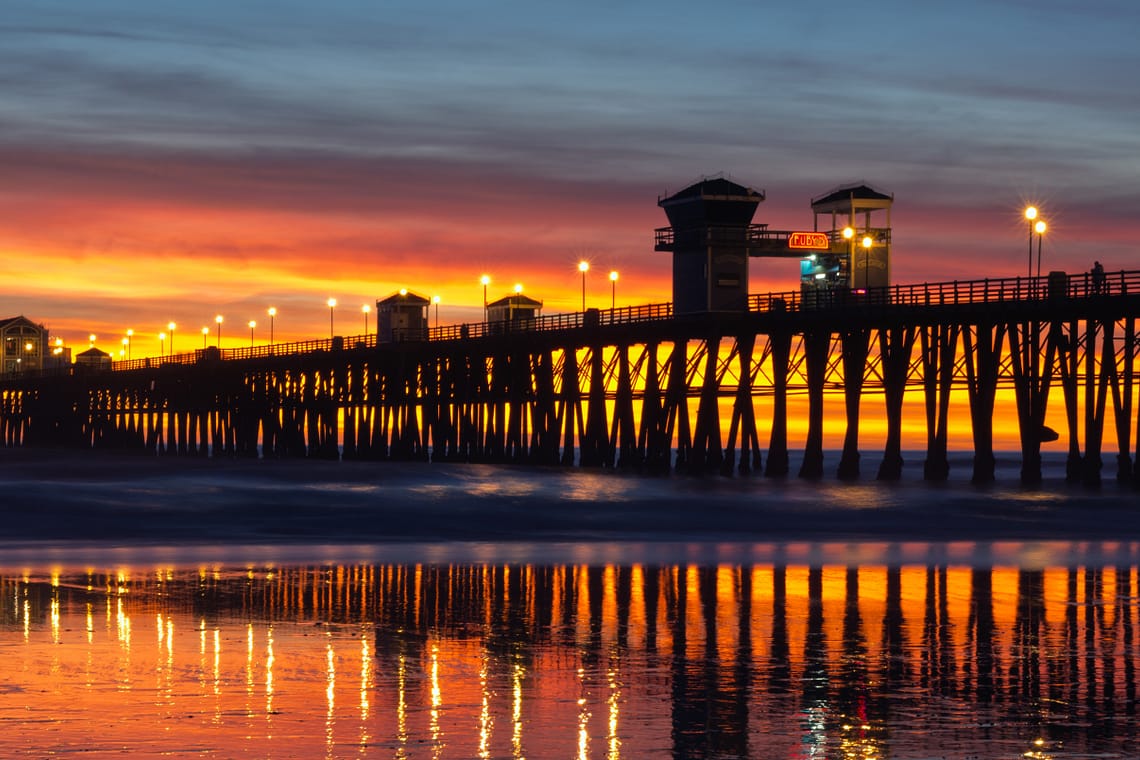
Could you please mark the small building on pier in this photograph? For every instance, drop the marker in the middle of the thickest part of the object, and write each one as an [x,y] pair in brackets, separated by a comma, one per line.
[25,344]
[93,359]
[402,316]
[515,308]
[710,235]
[857,221]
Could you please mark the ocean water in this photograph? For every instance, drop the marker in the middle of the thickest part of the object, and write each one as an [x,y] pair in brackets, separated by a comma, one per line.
[170,607]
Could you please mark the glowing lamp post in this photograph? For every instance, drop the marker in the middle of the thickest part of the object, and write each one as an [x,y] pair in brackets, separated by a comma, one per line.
[486,281]
[205,332]
[1031,215]
[218,321]
[867,243]
[170,326]
[364,310]
[613,289]
[252,324]
[123,351]
[91,339]
[583,267]
[849,236]
[332,305]
[162,344]
[435,303]
[1040,229]
[272,316]
[130,334]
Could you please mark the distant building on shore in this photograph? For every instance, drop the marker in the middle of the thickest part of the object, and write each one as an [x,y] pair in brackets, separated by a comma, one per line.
[24,344]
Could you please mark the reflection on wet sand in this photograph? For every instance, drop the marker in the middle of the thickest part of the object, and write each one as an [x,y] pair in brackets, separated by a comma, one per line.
[495,661]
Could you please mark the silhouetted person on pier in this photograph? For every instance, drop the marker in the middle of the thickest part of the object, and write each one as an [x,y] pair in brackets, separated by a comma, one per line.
[1098,278]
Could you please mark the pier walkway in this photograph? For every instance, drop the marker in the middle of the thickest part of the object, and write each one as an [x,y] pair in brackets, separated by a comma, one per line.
[640,388]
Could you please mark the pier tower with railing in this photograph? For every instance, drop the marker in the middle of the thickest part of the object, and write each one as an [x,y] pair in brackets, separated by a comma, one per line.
[860,234]
[711,222]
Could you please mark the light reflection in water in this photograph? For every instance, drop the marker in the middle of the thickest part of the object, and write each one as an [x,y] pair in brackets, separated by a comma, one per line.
[692,661]
[516,711]
[583,717]
[330,696]
[401,706]
[436,702]
[486,723]
[269,662]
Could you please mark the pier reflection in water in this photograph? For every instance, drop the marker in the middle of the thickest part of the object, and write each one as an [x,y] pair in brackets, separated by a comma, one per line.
[609,661]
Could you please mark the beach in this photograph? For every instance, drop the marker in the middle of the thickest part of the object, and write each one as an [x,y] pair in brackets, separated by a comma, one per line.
[113,499]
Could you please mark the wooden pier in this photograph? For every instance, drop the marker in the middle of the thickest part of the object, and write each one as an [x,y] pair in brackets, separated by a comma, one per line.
[640,388]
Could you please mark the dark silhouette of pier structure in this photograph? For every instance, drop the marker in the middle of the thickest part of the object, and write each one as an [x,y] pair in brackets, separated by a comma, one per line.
[653,388]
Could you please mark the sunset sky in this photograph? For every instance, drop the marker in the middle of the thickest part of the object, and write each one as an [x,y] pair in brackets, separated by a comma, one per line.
[167,161]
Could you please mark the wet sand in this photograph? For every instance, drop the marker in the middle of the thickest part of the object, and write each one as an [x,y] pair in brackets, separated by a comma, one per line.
[102,498]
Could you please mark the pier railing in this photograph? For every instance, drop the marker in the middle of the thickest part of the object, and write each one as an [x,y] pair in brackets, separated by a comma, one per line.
[1019,290]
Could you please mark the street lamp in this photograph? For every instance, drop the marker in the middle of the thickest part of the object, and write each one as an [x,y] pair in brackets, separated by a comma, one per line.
[583,267]
[613,289]
[130,334]
[365,309]
[435,302]
[170,326]
[218,321]
[272,316]
[91,339]
[123,351]
[1031,214]
[514,302]
[332,305]
[162,344]
[252,325]
[205,332]
[849,236]
[867,243]
[486,281]
[1040,229]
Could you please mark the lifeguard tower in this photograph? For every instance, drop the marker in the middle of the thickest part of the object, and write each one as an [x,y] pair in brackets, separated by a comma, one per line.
[710,234]
[859,258]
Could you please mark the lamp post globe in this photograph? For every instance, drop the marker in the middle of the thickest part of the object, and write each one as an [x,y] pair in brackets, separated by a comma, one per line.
[867,243]
[583,267]
[1031,215]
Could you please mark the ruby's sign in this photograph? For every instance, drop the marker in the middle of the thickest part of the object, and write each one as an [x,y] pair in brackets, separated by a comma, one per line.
[816,241]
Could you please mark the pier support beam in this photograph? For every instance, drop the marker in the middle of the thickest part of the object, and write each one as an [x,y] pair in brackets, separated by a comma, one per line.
[1031,379]
[983,345]
[780,343]
[816,344]
[743,414]
[937,343]
[707,455]
[895,346]
[855,346]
